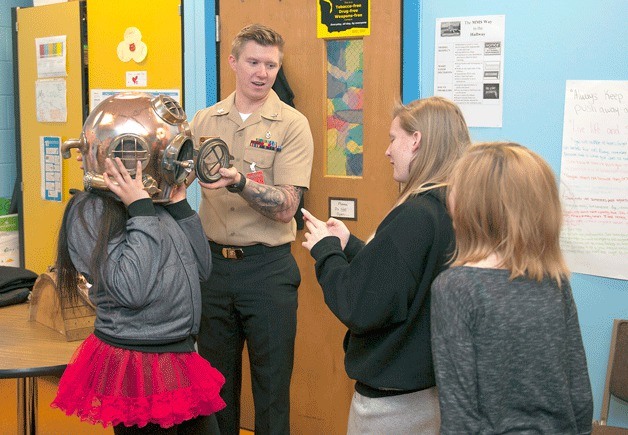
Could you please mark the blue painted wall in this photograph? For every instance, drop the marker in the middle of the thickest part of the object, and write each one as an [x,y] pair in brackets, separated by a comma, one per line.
[8,169]
[200,77]
[547,43]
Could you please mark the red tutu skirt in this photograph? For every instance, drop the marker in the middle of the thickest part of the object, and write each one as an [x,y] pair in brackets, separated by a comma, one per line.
[108,385]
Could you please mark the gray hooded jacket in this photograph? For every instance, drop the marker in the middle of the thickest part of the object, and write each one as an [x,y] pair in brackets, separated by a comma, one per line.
[149,291]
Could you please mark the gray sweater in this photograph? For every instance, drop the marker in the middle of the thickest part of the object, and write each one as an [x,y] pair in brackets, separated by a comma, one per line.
[508,355]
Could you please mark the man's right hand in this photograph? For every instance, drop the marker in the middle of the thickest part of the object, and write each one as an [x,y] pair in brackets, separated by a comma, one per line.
[228,177]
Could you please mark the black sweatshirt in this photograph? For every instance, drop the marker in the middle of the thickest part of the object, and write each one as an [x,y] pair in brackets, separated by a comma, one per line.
[381,292]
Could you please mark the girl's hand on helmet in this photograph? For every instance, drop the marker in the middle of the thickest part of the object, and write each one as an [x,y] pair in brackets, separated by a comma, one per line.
[119,181]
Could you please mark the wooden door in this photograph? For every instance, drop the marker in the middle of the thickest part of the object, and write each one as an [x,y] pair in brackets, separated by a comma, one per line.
[321,391]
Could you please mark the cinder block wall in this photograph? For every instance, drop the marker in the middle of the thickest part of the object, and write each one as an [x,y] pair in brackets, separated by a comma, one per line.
[8,169]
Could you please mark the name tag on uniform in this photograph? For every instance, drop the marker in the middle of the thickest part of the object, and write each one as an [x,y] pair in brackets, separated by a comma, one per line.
[257,176]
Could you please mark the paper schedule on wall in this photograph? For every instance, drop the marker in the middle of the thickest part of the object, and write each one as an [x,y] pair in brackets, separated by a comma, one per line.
[51,168]
[594,177]
[51,56]
[469,66]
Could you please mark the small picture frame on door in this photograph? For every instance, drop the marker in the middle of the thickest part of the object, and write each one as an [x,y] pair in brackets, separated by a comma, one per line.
[343,208]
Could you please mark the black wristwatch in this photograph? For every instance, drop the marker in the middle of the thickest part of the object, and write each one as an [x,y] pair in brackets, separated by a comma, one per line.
[237,187]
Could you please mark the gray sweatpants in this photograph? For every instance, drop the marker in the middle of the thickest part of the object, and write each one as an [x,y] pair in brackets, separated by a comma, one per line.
[413,413]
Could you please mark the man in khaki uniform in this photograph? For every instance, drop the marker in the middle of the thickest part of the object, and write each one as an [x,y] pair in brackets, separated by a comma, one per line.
[248,218]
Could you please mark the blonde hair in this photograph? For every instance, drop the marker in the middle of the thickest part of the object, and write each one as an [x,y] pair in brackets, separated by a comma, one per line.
[262,35]
[444,137]
[504,200]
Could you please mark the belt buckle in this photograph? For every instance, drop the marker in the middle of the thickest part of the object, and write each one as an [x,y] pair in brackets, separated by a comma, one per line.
[233,253]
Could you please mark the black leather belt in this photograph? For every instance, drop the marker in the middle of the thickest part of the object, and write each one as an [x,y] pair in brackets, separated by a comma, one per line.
[239,252]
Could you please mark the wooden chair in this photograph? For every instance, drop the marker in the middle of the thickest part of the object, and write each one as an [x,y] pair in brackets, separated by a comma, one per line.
[616,378]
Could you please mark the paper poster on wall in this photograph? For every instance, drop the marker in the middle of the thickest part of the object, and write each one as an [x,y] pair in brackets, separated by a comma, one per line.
[343,18]
[98,95]
[51,168]
[51,56]
[594,177]
[51,100]
[469,66]
[132,47]
[136,79]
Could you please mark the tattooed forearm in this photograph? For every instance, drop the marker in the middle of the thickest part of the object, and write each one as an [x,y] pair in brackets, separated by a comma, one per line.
[275,202]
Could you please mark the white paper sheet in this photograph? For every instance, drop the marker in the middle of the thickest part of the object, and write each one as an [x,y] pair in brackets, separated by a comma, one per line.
[51,168]
[51,100]
[51,56]
[594,177]
[469,66]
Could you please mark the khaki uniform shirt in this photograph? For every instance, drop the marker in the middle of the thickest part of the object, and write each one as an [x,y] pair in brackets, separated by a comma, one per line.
[277,139]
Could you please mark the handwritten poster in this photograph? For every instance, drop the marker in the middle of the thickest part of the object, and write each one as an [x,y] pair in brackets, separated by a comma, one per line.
[594,178]
[51,100]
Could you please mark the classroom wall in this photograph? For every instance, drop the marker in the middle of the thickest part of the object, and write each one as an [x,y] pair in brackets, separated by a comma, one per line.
[8,169]
[546,43]
[199,69]
[194,67]
[196,79]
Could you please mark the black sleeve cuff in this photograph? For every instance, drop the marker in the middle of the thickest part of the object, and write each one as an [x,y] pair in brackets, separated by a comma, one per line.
[180,210]
[142,207]
[324,246]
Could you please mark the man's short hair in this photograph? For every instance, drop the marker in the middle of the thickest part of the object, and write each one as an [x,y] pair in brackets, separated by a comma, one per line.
[262,35]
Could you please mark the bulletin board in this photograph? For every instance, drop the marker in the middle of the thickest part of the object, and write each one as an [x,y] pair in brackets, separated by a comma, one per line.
[40,218]
[160,26]
[140,39]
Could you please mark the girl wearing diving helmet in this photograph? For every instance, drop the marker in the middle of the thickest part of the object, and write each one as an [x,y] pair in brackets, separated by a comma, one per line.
[143,260]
